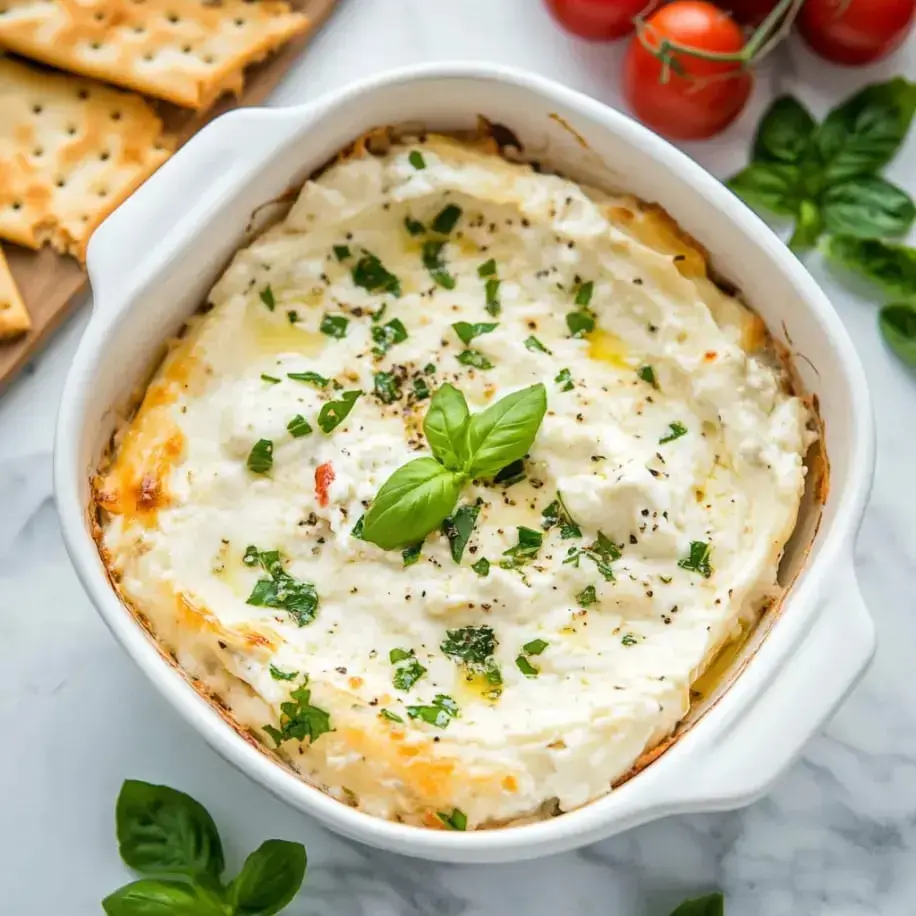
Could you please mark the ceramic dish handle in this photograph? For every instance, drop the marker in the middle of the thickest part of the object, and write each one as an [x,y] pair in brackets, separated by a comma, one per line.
[191,184]
[750,756]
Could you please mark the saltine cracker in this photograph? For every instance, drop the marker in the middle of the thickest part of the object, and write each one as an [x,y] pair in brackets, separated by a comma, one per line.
[14,318]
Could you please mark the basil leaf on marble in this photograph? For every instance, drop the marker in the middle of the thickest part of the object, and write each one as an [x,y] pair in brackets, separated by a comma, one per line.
[770,185]
[808,226]
[710,905]
[867,207]
[891,267]
[898,325]
[784,132]
[269,879]
[153,897]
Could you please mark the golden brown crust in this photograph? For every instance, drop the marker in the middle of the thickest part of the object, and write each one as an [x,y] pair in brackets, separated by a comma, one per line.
[14,317]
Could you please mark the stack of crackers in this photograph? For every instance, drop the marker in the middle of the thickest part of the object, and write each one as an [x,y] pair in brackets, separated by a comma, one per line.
[71,147]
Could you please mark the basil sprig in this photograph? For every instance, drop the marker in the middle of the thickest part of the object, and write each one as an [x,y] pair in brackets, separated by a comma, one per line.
[898,325]
[418,497]
[168,836]
[710,905]
[825,176]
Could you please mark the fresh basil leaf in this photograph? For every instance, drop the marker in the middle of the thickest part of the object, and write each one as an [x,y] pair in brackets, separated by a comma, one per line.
[407,674]
[269,879]
[440,713]
[411,554]
[526,667]
[298,598]
[711,905]
[512,473]
[584,294]
[298,426]
[400,655]
[527,548]
[433,262]
[151,897]
[475,359]
[445,427]
[898,325]
[371,275]
[261,457]
[333,413]
[387,335]
[535,647]
[580,322]
[334,326]
[458,527]
[491,291]
[411,503]
[892,267]
[415,158]
[162,831]
[481,567]
[467,332]
[533,344]
[784,132]
[387,387]
[447,219]
[769,186]
[299,719]
[868,207]
[808,226]
[697,560]
[505,431]
[864,133]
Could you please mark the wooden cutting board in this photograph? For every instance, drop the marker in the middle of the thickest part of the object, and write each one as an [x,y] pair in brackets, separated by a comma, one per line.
[51,284]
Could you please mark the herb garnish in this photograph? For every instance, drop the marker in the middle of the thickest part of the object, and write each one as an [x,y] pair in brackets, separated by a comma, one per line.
[457,820]
[415,158]
[411,554]
[474,358]
[458,527]
[341,252]
[279,675]
[270,379]
[311,378]
[371,275]
[299,719]
[535,647]
[587,597]
[580,322]
[628,639]
[647,374]
[481,567]
[387,335]
[334,326]
[533,344]
[564,380]
[526,667]
[420,388]
[487,269]
[473,647]
[557,514]
[333,413]
[414,226]
[675,431]
[698,559]
[467,332]
[491,291]
[261,457]
[440,713]
[432,261]
[584,293]
[267,297]
[511,474]
[408,670]
[602,553]
[447,219]
[299,599]
[387,387]
[527,548]
[298,426]
[390,716]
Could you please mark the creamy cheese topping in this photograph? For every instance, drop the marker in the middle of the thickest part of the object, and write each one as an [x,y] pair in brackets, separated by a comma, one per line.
[663,483]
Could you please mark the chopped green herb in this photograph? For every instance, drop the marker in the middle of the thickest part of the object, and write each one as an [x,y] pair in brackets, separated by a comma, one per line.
[334,326]
[629,639]
[557,514]
[492,294]
[511,474]
[371,275]
[298,426]
[447,219]
[279,675]
[526,667]
[564,380]
[387,387]
[532,343]
[457,820]
[666,579]
[414,226]
[440,713]
[481,567]
[587,597]
[261,456]
[292,316]
[270,379]
[416,159]
[432,261]
[299,599]
[675,431]
[252,556]
[474,358]
[647,374]
[584,293]
[471,645]
[535,647]
[267,297]
[379,313]
[429,368]
[467,332]
[387,335]
[400,655]
[487,269]
[411,554]
[580,322]
[333,413]
[390,716]
[357,531]
[342,252]
[602,553]
[407,674]
[458,527]
[299,719]
[529,543]
[311,378]
[420,388]
[698,559]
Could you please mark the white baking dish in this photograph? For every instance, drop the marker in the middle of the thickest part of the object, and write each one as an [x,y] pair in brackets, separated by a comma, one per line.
[153,261]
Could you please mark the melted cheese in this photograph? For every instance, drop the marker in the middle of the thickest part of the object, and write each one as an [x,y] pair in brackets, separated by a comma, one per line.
[615,677]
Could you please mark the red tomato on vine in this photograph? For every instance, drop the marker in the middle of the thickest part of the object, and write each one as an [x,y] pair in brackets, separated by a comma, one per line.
[855,31]
[599,19]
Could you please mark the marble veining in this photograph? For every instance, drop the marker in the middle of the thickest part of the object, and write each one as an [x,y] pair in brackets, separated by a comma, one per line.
[835,837]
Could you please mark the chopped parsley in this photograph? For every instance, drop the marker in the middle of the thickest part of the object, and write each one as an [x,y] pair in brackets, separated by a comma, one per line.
[310,378]
[467,332]
[580,322]
[471,645]
[526,667]
[584,293]
[292,316]
[371,275]
[411,554]
[267,297]
[564,380]
[252,556]
[587,597]
[400,655]
[432,261]
[334,326]
[675,431]
[279,675]
[602,553]
[557,514]
[487,269]
[698,559]
[387,387]
[457,820]
[299,599]
[458,527]
[533,344]
[407,671]
[270,379]
[446,219]
[529,543]
[333,413]
[385,336]
[390,716]
[299,719]
[474,358]
[481,567]
[414,226]
[342,252]
[647,374]
[511,473]
[379,313]
[492,293]
[416,159]
[261,457]
[440,713]
[629,639]
[298,426]
[420,388]
[535,647]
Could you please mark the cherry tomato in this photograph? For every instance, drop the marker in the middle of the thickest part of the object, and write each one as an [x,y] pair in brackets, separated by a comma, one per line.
[598,19]
[855,31]
[749,12]
[324,477]
[701,97]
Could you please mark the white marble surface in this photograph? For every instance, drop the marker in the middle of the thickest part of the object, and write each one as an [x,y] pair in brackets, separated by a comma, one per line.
[836,837]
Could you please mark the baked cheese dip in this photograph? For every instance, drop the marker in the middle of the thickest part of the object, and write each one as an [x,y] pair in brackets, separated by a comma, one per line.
[462,479]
